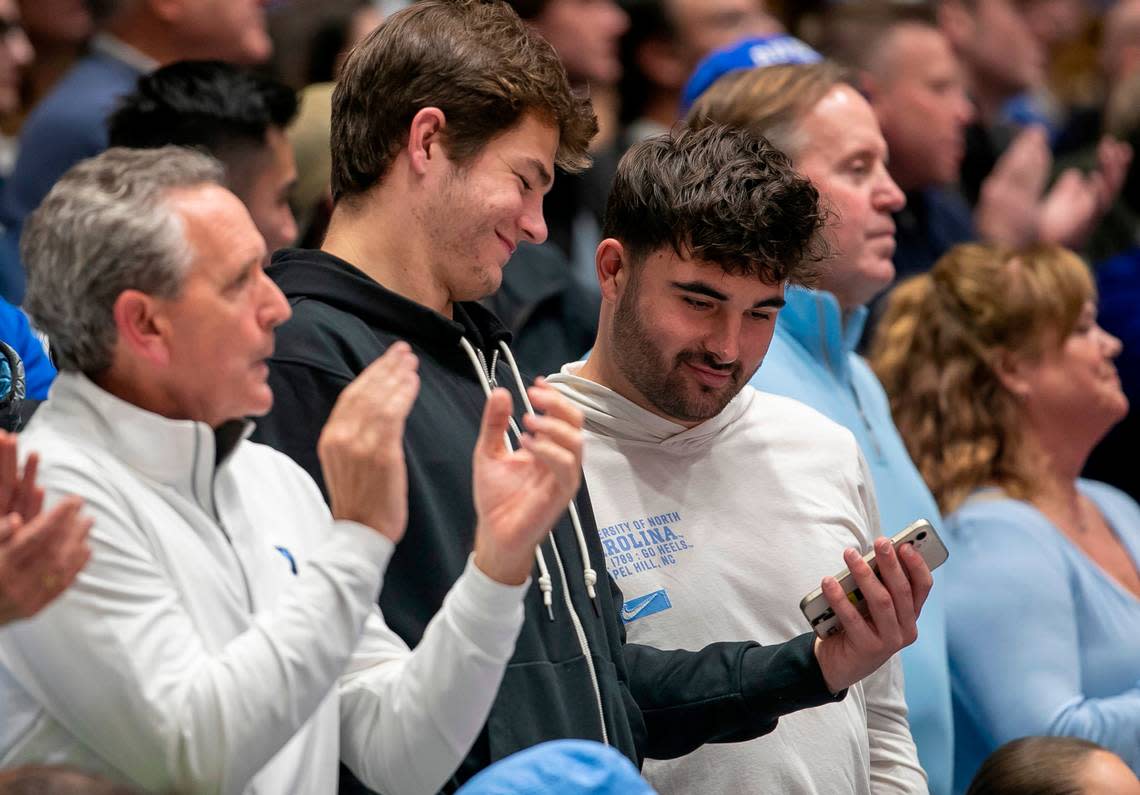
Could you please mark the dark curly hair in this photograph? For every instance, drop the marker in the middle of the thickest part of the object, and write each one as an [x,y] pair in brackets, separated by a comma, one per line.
[718,195]
[473,59]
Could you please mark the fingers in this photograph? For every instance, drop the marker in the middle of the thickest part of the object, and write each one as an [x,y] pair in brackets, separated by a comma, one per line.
[493,427]
[389,378]
[552,403]
[854,625]
[45,535]
[560,432]
[919,575]
[30,499]
[1027,160]
[42,558]
[898,587]
[8,469]
[562,463]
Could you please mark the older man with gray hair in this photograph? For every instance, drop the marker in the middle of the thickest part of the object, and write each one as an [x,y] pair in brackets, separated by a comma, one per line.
[224,636]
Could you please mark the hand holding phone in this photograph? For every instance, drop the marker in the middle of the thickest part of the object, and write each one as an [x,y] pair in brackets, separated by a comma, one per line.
[893,593]
[921,535]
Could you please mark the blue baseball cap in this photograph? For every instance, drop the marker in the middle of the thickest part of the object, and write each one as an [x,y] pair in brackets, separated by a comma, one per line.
[561,767]
[752,53]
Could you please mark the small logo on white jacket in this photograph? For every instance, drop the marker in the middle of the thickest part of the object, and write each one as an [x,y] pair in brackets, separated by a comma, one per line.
[643,606]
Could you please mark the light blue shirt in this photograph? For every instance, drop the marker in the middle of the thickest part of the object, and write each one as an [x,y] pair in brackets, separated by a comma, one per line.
[813,359]
[1042,640]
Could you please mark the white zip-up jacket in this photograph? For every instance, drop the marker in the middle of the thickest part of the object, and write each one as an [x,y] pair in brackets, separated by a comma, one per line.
[715,533]
[224,636]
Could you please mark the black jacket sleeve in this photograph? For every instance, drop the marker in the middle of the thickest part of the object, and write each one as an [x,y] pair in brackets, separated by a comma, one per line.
[726,692]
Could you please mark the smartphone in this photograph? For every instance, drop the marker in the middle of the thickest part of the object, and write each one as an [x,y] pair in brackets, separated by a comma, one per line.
[921,535]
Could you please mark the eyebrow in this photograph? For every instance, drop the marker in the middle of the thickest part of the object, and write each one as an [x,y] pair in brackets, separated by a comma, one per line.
[703,289]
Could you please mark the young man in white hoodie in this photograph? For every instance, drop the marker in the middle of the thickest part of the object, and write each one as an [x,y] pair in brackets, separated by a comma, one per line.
[224,636]
[718,506]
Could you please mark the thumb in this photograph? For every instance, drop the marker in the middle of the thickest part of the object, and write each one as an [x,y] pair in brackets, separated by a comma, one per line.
[496,419]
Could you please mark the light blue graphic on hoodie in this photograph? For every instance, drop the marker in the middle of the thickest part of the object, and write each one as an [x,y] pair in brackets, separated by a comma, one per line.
[813,359]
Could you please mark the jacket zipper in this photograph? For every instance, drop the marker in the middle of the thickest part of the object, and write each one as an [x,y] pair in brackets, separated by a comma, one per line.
[583,643]
[218,521]
[579,630]
[850,383]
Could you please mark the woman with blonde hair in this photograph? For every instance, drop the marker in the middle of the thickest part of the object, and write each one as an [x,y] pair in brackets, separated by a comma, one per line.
[1001,383]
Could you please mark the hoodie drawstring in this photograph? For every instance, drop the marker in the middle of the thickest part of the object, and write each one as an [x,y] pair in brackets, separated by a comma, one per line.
[588,573]
[545,584]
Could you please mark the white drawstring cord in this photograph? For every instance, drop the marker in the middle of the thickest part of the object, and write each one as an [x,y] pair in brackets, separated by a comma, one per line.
[588,573]
[545,584]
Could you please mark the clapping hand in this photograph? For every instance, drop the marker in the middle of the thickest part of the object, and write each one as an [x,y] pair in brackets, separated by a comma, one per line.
[519,494]
[40,553]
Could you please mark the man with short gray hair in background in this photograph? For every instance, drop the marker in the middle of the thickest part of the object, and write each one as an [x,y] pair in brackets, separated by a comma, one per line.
[226,621]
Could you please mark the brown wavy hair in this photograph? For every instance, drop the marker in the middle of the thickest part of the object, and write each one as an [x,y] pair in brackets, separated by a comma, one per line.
[473,59]
[937,346]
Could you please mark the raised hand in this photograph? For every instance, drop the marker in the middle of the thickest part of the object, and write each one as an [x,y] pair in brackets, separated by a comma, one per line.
[1074,206]
[361,447]
[894,602]
[18,491]
[520,494]
[1008,208]
[40,558]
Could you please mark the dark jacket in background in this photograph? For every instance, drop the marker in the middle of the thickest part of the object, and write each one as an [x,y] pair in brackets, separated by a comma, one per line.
[552,317]
[656,703]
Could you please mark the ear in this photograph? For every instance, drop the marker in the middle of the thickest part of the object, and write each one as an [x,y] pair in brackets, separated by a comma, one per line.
[1012,370]
[659,61]
[425,146]
[611,265]
[142,328]
[957,23]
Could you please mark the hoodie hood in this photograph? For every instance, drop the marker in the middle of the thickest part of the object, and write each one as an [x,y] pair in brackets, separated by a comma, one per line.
[610,415]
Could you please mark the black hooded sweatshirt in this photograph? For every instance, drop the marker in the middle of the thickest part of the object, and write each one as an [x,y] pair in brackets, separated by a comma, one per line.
[654,703]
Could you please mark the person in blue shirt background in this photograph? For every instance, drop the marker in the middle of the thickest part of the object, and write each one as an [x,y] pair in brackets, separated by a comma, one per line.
[15,330]
[1002,382]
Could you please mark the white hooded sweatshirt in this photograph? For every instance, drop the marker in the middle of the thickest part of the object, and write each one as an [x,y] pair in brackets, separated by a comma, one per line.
[715,533]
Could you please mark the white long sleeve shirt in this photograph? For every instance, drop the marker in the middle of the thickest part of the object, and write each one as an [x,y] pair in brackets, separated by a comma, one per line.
[224,637]
[715,533]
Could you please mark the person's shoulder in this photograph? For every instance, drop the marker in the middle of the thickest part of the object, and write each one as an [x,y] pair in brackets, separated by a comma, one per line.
[993,520]
[325,337]
[269,465]
[1122,510]
[798,418]
[86,93]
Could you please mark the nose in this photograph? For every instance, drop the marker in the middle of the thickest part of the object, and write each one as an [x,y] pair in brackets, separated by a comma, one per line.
[966,111]
[532,224]
[274,309]
[723,339]
[1111,344]
[888,197]
[618,18]
[19,47]
[286,229]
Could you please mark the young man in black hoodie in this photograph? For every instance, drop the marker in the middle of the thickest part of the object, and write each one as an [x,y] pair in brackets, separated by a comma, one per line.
[447,124]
